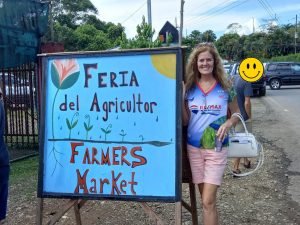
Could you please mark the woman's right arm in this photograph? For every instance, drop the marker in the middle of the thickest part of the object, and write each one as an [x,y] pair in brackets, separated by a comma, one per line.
[185,111]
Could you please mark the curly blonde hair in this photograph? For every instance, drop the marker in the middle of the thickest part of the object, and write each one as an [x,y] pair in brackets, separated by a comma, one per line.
[192,73]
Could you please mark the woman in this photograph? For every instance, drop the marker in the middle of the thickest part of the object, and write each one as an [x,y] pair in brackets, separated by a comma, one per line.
[207,96]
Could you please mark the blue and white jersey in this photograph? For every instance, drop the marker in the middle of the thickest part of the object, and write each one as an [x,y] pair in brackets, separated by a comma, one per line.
[208,111]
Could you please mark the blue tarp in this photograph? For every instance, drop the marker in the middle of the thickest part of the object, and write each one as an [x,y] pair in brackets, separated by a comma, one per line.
[22,23]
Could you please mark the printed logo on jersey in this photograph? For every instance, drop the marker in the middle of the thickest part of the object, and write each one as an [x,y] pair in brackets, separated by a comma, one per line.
[194,109]
[211,109]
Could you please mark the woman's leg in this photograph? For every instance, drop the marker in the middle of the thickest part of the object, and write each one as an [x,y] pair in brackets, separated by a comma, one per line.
[209,203]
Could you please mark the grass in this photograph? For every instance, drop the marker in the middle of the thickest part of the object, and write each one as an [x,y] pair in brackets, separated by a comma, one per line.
[23,178]
[23,169]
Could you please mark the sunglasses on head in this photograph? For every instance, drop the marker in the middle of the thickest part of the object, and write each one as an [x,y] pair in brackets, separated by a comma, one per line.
[205,44]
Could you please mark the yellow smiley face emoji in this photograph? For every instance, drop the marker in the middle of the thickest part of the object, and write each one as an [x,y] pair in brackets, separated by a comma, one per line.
[251,69]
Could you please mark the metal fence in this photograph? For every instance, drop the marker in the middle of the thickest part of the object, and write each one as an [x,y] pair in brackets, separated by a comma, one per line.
[19,93]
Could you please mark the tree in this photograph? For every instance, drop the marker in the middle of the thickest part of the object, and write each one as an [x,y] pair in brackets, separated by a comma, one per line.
[71,12]
[229,46]
[77,26]
[88,38]
[193,39]
[255,45]
[93,20]
[143,39]
[114,32]
[234,28]
[209,36]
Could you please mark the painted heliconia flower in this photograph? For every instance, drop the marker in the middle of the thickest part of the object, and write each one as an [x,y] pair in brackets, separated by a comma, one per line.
[64,73]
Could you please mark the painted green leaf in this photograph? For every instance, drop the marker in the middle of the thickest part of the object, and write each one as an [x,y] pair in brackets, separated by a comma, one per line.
[85,126]
[90,128]
[103,130]
[74,124]
[108,131]
[54,76]
[70,81]
[68,124]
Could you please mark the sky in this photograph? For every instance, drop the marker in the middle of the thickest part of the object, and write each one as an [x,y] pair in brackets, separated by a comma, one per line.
[200,15]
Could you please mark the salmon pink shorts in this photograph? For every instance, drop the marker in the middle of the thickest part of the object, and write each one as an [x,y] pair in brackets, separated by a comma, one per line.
[207,166]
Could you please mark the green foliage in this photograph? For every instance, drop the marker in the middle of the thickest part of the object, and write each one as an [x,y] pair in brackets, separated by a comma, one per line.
[114,33]
[193,39]
[209,36]
[274,41]
[286,58]
[169,39]
[70,12]
[143,39]
[76,26]
[230,46]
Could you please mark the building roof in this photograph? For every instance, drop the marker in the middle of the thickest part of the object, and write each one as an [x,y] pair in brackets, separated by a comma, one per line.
[168,29]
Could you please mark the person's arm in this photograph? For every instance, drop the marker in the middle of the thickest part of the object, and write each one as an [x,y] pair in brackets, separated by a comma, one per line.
[185,114]
[232,121]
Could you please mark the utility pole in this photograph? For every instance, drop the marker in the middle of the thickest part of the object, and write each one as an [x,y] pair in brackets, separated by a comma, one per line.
[149,16]
[149,12]
[181,22]
[51,20]
[296,35]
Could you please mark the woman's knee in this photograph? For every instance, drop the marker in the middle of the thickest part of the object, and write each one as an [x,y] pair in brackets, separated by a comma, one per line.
[209,203]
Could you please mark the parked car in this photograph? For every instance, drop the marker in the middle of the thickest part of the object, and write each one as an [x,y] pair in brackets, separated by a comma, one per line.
[259,87]
[16,92]
[282,73]
[227,68]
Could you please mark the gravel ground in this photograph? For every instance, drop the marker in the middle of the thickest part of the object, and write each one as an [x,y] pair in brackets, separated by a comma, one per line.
[257,199]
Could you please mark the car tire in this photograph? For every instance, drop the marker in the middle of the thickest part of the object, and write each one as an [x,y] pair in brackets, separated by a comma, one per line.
[275,84]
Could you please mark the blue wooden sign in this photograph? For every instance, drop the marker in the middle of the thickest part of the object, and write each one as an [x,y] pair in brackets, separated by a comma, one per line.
[110,125]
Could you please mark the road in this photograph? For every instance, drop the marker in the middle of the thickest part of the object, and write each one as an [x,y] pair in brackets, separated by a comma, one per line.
[284,131]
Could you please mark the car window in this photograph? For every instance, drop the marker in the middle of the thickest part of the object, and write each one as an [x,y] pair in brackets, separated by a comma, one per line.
[283,67]
[296,67]
[272,67]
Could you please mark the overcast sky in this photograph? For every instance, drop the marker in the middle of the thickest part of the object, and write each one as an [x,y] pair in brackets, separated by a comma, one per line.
[199,15]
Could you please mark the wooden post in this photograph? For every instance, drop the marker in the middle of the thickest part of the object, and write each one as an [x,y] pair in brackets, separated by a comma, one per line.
[77,205]
[193,203]
[187,178]
[39,211]
[77,213]
[152,214]
[178,213]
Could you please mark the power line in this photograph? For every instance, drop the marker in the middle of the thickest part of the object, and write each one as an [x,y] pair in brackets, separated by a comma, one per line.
[269,6]
[262,3]
[134,12]
[196,9]
[221,10]
[211,10]
[268,9]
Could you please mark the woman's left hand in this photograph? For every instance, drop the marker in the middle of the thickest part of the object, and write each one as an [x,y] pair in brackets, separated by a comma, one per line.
[223,130]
